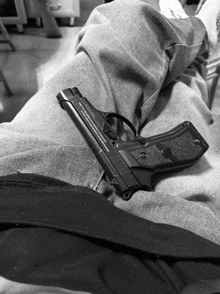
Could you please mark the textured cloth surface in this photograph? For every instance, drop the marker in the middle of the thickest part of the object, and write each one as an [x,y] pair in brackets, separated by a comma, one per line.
[55,238]
[11,287]
[141,68]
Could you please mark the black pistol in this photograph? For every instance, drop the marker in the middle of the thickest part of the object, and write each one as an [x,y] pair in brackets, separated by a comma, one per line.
[132,165]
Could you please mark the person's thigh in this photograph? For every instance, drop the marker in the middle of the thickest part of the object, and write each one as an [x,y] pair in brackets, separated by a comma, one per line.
[122,71]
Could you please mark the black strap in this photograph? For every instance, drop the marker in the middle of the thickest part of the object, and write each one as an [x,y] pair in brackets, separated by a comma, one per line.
[48,203]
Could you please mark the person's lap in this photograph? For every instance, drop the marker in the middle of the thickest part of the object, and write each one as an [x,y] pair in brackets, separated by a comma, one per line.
[114,75]
[123,75]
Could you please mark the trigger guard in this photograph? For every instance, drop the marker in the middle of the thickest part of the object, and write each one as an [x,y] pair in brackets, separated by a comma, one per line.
[122,118]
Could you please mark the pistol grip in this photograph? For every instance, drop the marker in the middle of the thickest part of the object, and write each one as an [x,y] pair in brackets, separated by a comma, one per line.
[179,148]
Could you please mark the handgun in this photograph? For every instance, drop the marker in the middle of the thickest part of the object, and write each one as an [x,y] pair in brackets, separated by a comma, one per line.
[131,165]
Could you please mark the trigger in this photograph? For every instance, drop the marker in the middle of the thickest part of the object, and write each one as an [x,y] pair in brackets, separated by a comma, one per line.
[108,131]
[115,123]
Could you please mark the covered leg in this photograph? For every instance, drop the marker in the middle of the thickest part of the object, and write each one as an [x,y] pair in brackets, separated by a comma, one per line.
[125,54]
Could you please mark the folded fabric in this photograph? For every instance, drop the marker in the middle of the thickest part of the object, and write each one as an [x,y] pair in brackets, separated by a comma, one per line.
[54,234]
